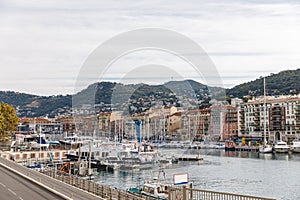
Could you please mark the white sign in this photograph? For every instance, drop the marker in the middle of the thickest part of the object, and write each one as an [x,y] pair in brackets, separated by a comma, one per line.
[180,179]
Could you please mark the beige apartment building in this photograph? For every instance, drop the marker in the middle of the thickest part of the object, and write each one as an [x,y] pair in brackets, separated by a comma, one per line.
[281,117]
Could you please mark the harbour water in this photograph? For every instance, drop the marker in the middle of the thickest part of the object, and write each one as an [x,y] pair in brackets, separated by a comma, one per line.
[266,175]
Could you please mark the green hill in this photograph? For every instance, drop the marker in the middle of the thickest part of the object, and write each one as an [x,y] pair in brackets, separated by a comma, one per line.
[285,82]
[139,97]
[34,106]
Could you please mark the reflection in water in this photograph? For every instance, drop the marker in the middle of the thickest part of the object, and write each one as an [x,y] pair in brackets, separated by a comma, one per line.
[295,156]
[254,155]
[266,156]
[281,156]
[251,173]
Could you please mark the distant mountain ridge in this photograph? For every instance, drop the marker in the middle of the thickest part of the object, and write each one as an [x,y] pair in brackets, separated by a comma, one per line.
[28,105]
[143,96]
[283,83]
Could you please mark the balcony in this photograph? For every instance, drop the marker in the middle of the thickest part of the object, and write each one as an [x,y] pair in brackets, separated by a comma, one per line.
[256,119]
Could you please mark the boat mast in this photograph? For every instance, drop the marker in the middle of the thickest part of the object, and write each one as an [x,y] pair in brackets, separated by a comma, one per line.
[40,154]
[189,129]
[264,107]
[90,160]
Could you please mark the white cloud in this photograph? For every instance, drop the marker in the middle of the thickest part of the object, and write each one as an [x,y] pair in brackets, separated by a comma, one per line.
[44,43]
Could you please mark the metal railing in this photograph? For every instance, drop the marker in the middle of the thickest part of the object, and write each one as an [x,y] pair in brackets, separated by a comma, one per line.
[102,191]
[197,194]
[175,193]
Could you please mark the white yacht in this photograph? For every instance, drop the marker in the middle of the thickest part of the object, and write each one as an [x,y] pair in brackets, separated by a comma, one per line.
[39,143]
[129,155]
[281,147]
[296,146]
[75,140]
[266,149]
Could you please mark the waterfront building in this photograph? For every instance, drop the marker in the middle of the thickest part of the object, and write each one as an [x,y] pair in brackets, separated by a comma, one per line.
[39,125]
[104,121]
[282,119]
[162,122]
[30,128]
[157,127]
[230,123]
[117,124]
[193,125]
[219,122]
[224,122]
[197,123]
[67,123]
[173,125]
[204,123]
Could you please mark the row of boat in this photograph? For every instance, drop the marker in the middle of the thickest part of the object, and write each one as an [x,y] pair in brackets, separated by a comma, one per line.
[126,155]
[281,147]
[277,147]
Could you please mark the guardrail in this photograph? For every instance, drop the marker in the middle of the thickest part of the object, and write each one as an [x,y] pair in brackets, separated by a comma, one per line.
[175,193]
[198,194]
[102,191]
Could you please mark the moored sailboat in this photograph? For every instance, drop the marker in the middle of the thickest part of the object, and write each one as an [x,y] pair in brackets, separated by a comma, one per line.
[266,148]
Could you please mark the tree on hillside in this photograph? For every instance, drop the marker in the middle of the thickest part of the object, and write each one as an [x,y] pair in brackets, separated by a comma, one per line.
[8,121]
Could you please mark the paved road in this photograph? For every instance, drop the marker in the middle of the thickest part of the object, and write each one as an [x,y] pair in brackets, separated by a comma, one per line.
[63,188]
[15,187]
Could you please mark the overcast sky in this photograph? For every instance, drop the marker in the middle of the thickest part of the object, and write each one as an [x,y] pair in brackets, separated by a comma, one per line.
[43,44]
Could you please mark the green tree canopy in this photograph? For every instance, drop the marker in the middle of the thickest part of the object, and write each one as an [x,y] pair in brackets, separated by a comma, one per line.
[8,121]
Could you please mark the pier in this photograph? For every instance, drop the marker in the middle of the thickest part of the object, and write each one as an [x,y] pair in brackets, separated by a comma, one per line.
[247,148]
[190,158]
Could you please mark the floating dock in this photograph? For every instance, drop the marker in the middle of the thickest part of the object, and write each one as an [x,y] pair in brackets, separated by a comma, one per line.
[190,158]
[247,148]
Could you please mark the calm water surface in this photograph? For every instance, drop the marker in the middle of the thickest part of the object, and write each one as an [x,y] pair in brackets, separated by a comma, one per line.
[266,175]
